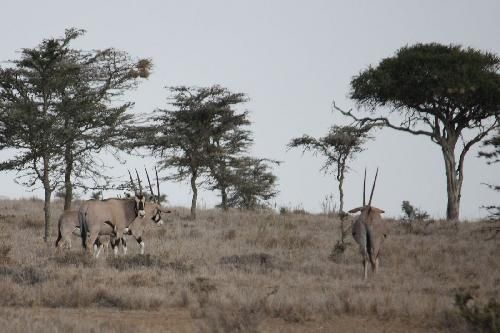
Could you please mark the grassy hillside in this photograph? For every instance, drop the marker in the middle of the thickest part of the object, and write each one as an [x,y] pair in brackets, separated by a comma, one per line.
[242,271]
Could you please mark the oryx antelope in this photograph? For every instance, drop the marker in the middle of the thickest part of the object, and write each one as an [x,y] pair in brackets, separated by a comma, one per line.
[369,230]
[114,217]
[68,225]
[153,212]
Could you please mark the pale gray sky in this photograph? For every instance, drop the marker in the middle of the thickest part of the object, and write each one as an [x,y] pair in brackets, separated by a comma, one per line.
[292,58]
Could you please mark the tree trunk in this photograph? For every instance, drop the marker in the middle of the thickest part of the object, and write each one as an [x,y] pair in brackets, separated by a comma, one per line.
[342,215]
[68,187]
[48,193]
[223,194]
[454,179]
[341,194]
[195,196]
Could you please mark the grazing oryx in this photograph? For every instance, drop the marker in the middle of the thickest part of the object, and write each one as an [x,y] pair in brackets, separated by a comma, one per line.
[369,231]
[114,217]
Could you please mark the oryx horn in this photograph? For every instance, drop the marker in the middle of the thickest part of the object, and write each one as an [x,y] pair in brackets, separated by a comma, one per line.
[157,184]
[149,182]
[373,188]
[132,181]
[139,180]
[364,189]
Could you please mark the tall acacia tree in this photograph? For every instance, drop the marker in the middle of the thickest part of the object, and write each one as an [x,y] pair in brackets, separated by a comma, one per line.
[29,117]
[447,93]
[93,115]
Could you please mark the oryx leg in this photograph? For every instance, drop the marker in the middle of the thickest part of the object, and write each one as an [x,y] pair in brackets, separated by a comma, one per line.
[115,242]
[90,242]
[124,245]
[141,244]
[98,247]
[365,267]
[375,265]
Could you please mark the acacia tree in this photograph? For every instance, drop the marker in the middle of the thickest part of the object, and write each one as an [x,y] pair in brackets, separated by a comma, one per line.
[339,146]
[55,111]
[446,93]
[92,113]
[28,115]
[196,135]
[228,140]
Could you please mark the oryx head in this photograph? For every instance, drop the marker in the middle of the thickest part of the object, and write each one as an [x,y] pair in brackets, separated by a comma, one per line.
[156,207]
[368,212]
[139,197]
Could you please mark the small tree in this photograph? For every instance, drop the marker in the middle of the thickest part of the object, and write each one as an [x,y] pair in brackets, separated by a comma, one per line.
[446,93]
[339,146]
[196,135]
[252,183]
[411,213]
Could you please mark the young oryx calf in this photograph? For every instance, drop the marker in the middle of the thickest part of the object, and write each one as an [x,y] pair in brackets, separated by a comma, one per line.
[369,231]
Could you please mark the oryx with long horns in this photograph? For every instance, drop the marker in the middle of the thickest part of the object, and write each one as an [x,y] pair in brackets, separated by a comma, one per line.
[369,230]
[154,210]
[114,217]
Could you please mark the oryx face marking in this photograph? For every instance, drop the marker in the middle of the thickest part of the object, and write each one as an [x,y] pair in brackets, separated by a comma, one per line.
[157,217]
[140,204]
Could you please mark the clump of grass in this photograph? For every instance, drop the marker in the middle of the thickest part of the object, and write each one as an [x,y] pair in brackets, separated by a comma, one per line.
[30,222]
[148,261]
[27,275]
[229,235]
[337,254]
[246,261]
[4,254]
[232,317]
[480,318]
[75,259]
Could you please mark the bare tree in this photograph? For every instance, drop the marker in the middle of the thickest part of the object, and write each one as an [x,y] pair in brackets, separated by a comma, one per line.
[339,146]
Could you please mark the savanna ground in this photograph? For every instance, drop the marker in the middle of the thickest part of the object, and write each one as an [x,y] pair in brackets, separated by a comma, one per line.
[241,272]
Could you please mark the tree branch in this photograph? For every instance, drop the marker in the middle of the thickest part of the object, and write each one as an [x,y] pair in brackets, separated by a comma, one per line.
[380,121]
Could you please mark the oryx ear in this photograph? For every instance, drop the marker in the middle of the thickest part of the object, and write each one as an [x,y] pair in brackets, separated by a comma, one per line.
[377,210]
[355,210]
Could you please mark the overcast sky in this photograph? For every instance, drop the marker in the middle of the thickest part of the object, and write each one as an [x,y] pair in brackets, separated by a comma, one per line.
[292,58]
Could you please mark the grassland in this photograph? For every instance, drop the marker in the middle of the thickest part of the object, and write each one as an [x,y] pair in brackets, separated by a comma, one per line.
[241,272]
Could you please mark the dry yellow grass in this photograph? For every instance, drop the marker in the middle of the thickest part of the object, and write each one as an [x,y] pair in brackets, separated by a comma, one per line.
[241,271]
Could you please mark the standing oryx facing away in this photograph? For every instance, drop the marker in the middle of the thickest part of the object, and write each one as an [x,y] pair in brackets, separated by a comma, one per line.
[369,231]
